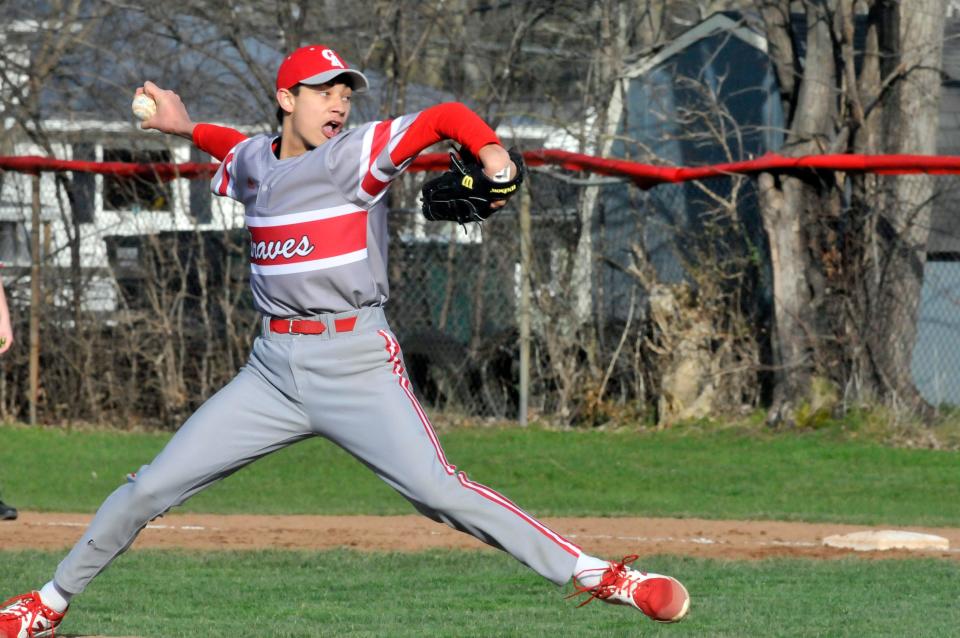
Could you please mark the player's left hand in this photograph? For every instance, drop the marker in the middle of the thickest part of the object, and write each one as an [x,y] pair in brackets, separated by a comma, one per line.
[470,191]
[498,166]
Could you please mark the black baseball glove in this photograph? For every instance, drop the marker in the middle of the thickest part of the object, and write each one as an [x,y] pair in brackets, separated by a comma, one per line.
[464,193]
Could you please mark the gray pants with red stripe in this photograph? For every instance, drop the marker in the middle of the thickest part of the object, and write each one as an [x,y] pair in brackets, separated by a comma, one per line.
[349,387]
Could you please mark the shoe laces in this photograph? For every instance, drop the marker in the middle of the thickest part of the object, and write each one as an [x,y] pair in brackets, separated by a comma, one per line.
[27,606]
[17,606]
[617,578]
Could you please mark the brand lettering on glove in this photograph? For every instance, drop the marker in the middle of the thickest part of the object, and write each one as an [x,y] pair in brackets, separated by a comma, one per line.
[288,248]
[504,191]
[467,181]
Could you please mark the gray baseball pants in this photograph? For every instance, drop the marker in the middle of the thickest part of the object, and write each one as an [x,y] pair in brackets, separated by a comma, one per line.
[348,386]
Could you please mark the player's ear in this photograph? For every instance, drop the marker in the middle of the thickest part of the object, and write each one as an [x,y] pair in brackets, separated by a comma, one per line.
[285,98]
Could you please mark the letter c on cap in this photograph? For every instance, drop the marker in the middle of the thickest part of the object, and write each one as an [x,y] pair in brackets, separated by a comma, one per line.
[332,57]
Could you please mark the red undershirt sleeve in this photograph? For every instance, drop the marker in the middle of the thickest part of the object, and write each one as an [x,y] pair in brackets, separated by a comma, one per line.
[450,120]
[216,140]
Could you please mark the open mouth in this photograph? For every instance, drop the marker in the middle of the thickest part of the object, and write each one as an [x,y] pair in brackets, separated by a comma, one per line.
[332,127]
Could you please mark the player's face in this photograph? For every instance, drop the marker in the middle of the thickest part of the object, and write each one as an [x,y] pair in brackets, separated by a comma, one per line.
[320,112]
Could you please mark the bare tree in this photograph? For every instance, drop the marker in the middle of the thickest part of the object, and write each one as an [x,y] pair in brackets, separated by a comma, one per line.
[40,43]
[847,252]
[846,300]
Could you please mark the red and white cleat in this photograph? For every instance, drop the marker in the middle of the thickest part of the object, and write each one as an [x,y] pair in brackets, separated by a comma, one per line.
[26,617]
[660,598]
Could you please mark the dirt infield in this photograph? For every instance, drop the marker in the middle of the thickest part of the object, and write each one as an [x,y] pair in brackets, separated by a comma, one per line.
[603,536]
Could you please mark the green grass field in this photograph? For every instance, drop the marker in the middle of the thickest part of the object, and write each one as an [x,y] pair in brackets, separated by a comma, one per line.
[682,472]
[483,594]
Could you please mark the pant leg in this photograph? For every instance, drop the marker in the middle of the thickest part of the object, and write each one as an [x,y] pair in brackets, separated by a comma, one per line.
[250,417]
[358,396]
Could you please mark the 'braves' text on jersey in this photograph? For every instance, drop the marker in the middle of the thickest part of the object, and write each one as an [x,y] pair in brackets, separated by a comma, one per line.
[317,222]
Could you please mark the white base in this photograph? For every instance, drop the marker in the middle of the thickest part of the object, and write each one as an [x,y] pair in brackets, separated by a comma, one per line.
[886,539]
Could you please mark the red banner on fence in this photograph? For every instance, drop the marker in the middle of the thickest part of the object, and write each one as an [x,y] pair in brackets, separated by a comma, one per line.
[643,175]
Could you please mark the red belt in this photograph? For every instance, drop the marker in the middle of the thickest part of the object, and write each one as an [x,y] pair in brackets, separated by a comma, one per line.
[310,327]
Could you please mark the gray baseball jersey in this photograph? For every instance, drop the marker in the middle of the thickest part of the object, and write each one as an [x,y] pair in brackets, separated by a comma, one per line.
[318,252]
[317,222]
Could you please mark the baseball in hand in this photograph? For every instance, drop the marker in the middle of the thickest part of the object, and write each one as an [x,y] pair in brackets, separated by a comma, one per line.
[144,107]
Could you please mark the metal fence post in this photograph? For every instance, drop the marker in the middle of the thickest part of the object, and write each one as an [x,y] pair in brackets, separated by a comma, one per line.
[36,299]
[524,304]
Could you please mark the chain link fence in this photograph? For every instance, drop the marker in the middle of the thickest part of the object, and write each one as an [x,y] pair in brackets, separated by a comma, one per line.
[144,308]
[936,356]
[139,291]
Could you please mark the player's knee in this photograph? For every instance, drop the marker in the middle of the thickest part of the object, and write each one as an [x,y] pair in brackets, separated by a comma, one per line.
[148,496]
[437,496]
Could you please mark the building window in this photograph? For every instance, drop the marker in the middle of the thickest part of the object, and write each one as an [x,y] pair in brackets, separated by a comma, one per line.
[14,244]
[83,187]
[135,194]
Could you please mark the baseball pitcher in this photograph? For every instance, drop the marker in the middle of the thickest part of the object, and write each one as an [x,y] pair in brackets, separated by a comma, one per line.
[326,362]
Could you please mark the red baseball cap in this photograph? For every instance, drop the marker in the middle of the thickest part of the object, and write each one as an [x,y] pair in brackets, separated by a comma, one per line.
[317,64]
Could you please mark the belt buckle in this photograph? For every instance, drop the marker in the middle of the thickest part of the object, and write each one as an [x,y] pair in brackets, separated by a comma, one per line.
[290,327]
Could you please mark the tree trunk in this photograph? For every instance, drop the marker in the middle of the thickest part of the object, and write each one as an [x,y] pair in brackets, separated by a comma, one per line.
[847,281]
[786,211]
[781,221]
[904,213]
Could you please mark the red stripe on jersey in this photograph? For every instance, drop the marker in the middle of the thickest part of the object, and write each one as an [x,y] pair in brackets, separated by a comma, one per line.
[371,185]
[381,135]
[226,174]
[307,241]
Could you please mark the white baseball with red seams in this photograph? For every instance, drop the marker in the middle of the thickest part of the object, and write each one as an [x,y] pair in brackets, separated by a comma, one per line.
[143,106]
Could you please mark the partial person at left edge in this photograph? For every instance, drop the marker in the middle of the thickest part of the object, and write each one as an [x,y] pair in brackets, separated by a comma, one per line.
[7,512]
